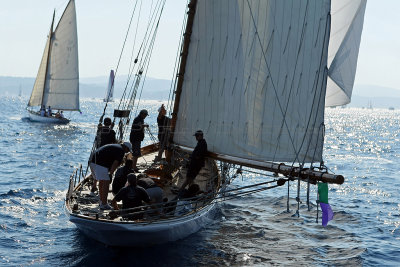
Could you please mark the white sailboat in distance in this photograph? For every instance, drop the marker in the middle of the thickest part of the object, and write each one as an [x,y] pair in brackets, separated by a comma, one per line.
[56,86]
[110,88]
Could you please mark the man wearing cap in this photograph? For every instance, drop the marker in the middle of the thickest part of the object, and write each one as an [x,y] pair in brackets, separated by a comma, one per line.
[196,160]
[132,197]
[164,124]
[137,135]
[105,161]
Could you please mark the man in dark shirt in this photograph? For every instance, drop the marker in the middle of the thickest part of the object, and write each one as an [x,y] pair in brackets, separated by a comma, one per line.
[104,162]
[121,175]
[137,136]
[132,197]
[153,190]
[196,160]
[164,124]
[105,134]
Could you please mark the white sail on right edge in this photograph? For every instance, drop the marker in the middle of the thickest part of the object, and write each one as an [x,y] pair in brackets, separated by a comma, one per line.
[61,85]
[347,25]
[255,79]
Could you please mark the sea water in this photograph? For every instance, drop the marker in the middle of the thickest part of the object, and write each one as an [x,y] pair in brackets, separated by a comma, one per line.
[363,145]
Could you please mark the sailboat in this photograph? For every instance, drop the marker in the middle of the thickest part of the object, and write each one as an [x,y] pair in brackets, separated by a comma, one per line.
[253,77]
[110,88]
[57,82]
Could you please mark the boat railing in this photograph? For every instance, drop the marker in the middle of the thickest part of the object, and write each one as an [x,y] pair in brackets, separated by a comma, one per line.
[74,180]
[171,209]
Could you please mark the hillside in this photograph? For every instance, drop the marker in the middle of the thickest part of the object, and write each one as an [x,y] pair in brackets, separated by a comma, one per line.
[89,87]
[157,89]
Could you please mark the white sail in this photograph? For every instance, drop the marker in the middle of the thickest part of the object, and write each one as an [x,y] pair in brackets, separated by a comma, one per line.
[347,25]
[37,92]
[57,82]
[110,88]
[255,79]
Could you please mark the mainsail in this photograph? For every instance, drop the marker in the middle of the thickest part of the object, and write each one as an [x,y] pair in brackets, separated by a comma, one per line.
[110,88]
[255,79]
[57,81]
[347,25]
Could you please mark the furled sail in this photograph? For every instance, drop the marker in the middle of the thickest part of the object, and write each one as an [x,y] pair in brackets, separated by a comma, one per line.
[347,25]
[110,88]
[255,79]
[61,72]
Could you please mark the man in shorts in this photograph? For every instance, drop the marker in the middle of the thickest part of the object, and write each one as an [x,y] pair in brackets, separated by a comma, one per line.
[137,135]
[105,161]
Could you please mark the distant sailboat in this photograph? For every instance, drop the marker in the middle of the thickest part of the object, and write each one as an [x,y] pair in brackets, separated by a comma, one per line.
[110,88]
[57,81]
[20,92]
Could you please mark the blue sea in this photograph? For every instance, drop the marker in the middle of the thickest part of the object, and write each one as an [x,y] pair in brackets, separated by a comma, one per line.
[254,230]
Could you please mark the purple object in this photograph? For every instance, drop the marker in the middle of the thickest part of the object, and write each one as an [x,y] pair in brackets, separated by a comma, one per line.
[327,213]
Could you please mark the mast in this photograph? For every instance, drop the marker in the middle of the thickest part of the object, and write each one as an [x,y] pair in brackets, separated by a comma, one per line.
[48,57]
[182,67]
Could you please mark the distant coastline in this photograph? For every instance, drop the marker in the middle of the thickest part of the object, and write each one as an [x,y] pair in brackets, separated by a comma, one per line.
[158,89]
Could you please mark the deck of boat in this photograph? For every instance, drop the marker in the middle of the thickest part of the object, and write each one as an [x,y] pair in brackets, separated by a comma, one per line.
[83,203]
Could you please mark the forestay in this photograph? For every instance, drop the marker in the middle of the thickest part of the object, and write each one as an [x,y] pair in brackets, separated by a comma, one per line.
[255,79]
[347,25]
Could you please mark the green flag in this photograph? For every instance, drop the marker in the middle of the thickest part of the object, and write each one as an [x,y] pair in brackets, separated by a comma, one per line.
[323,192]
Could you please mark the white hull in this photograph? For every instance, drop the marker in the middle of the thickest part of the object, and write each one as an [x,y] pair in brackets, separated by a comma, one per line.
[143,234]
[34,116]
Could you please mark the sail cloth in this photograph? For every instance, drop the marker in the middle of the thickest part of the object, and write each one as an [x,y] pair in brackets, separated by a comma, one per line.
[37,92]
[255,79]
[344,44]
[61,85]
[110,88]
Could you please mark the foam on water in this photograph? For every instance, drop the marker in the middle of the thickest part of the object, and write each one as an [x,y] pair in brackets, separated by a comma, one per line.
[361,144]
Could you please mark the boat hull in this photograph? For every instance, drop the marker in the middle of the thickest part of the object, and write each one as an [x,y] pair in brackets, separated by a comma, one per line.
[143,234]
[35,117]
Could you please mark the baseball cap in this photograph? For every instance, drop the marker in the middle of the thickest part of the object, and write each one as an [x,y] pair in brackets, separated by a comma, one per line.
[199,132]
[128,145]
[144,111]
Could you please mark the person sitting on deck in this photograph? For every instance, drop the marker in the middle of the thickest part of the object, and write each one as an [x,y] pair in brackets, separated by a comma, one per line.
[196,160]
[137,136]
[104,162]
[164,124]
[59,114]
[153,190]
[132,197]
[49,112]
[121,175]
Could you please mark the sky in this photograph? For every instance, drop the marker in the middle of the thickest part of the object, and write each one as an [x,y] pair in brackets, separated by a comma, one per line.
[102,25]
